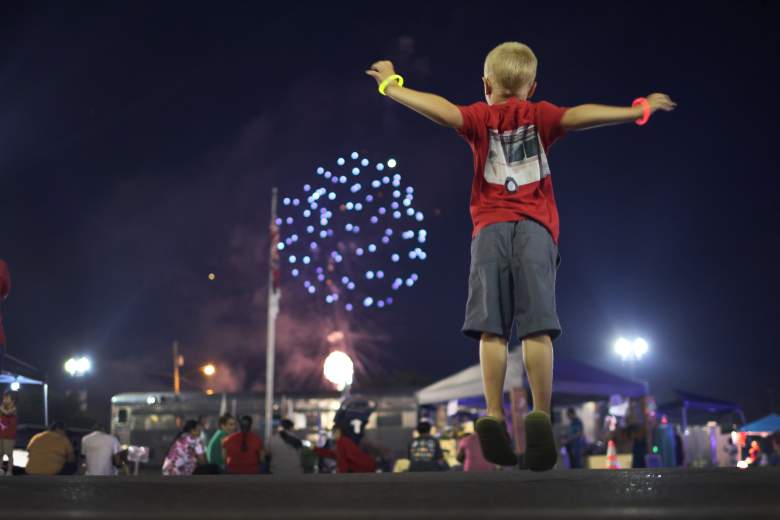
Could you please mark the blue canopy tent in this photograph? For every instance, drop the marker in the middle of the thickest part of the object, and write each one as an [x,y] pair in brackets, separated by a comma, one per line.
[688,402]
[764,426]
[15,376]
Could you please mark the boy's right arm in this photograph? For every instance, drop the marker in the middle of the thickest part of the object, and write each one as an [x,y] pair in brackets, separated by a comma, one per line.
[434,107]
[583,117]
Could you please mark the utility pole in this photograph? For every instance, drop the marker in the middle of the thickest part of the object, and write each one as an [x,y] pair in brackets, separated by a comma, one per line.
[176,365]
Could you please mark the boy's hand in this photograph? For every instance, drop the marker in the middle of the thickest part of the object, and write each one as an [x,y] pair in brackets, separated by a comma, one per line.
[381,70]
[659,101]
[434,107]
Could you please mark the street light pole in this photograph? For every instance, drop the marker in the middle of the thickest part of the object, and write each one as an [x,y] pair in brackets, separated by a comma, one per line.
[176,376]
[274,295]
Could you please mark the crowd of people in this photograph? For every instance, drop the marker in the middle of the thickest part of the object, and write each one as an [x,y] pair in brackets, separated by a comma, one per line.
[234,449]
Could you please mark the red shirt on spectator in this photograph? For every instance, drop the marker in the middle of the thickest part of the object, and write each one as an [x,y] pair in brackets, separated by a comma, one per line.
[7,427]
[240,462]
[510,142]
[349,457]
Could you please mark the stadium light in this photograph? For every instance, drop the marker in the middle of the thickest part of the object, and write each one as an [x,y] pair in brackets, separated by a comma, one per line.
[631,350]
[77,367]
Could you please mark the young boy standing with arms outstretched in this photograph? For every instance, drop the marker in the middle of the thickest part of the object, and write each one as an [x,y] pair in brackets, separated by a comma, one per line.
[514,251]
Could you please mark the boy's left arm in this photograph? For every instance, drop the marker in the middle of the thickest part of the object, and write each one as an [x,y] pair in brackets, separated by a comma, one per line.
[583,117]
[434,107]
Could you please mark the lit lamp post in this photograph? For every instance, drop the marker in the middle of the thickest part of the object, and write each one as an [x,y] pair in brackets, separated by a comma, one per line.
[78,367]
[631,351]
[339,370]
[209,370]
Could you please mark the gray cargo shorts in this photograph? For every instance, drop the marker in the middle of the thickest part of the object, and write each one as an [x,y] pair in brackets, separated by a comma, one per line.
[512,280]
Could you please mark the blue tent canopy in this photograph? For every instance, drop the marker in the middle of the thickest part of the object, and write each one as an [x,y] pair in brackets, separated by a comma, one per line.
[20,373]
[698,408]
[8,378]
[700,402]
[576,378]
[768,424]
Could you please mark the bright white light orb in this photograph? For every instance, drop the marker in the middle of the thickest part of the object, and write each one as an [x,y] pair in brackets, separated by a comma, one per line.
[77,367]
[623,348]
[640,347]
[339,369]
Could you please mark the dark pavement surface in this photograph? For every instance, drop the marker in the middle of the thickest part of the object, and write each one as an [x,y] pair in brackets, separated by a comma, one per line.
[670,493]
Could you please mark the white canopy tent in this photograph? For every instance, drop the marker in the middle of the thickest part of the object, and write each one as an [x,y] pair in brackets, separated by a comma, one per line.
[468,382]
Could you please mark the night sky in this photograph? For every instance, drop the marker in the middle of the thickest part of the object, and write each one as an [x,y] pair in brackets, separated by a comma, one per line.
[139,143]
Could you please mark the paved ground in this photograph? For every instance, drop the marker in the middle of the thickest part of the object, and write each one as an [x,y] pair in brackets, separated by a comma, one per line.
[671,493]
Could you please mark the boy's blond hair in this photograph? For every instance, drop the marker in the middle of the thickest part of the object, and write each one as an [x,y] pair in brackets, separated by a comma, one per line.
[511,67]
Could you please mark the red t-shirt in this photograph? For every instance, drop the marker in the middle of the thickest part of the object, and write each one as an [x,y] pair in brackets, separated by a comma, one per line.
[243,462]
[505,141]
[349,457]
[7,427]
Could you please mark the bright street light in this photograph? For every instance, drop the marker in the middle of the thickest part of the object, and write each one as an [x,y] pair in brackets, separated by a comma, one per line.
[15,386]
[77,367]
[640,347]
[208,370]
[339,369]
[631,350]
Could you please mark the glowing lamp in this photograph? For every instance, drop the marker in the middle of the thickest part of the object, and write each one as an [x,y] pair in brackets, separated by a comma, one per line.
[339,369]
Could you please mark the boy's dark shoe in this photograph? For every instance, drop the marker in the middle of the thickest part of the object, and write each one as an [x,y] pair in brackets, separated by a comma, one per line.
[540,451]
[495,442]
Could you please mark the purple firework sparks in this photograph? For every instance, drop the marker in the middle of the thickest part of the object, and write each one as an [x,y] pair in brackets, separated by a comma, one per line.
[353,237]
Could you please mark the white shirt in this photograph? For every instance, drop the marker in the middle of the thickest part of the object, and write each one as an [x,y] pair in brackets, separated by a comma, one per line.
[99,448]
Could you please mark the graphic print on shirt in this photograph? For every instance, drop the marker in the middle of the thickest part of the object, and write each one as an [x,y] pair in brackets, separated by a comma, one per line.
[513,158]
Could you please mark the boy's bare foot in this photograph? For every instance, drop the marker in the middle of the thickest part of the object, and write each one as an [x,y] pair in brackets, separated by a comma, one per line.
[540,451]
[495,441]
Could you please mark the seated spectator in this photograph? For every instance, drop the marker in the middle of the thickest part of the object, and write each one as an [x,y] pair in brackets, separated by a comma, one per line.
[227,425]
[243,450]
[284,451]
[7,430]
[350,458]
[425,451]
[186,452]
[51,452]
[470,455]
[101,453]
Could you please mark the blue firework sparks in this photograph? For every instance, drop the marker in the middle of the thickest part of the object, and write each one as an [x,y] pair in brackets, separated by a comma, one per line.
[353,236]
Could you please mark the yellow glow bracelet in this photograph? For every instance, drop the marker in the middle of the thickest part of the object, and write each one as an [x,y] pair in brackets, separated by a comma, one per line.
[395,77]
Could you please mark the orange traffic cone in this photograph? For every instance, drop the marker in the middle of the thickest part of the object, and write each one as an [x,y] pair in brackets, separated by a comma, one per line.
[612,460]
